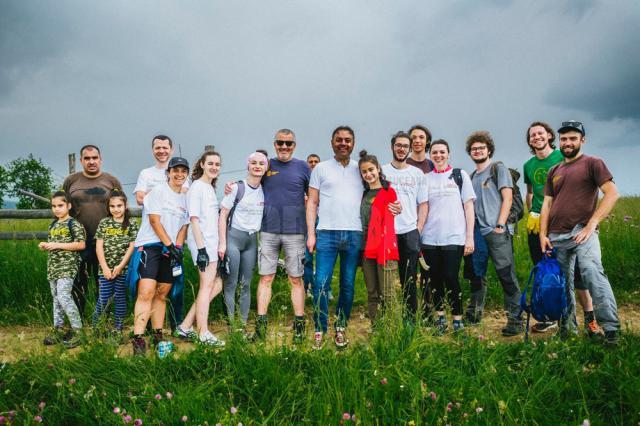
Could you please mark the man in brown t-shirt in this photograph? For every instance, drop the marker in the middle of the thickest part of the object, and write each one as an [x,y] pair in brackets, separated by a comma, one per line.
[569,221]
[89,191]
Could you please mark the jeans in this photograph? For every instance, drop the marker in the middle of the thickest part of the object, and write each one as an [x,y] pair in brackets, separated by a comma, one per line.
[409,250]
[588,258]
[330,244]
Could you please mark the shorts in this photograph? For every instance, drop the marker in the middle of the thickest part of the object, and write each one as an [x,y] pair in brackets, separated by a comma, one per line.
[155,266]
[293,246]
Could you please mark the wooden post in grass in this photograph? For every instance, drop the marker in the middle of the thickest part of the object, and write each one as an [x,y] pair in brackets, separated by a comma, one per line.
[72,163]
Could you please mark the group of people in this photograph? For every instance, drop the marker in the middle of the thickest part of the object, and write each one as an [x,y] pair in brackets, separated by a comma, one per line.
[416,213]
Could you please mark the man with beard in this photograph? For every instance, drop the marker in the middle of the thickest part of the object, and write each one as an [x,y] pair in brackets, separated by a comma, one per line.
[283,227]
[492,236]
[569,221]
[540,138]
[89,191]
[408,182]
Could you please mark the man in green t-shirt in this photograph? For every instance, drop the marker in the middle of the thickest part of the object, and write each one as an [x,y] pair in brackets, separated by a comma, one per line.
[541,141]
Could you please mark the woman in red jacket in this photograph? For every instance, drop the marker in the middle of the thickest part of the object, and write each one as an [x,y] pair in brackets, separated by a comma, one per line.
[380,258]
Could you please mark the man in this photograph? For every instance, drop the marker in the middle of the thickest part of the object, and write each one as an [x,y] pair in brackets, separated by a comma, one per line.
[493,238]
[89,191]
[540,138]
[312,162]
[149,178]
[420,142]
[408,182]
[283,227]
[569,222]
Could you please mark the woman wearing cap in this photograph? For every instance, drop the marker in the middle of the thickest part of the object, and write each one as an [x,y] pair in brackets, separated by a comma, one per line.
[159,249]
[202,240]
[240,220]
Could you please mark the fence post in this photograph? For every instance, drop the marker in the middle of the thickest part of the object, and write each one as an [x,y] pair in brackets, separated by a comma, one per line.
[209,148]
[72,163]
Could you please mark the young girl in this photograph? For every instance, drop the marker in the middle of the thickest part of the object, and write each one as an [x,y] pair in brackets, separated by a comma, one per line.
[448,232]
[380,246]
[203,243]
[114,246]
[239,241]
[159,241]
[66,239]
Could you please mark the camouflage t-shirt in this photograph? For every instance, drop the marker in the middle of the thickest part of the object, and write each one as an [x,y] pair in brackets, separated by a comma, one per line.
[64,263]
[115,240]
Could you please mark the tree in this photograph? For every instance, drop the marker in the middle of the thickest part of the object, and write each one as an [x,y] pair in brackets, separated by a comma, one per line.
[30,174]
[4,184]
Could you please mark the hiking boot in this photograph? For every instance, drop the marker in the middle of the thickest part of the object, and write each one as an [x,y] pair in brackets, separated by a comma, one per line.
[611,338]
[473,318]
[441,326]
[318,340]
[544,326]
[71,339]
[593,330]
[139,346]
[458,326]
[513,328]
[53,338]
[185,333]
[209,339]
[298,331]
[156,337]
[261,328]
[341,340]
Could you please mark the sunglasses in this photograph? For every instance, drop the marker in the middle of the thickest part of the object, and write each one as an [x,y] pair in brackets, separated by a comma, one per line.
[287,143]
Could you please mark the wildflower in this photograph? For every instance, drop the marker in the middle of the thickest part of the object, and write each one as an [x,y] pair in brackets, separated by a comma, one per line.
[72,381]
[127,419]
[384,381]
[480,336]
[464,415]
[586,422]
[218,424]
[502,406]
[137,422]
[626,219]
[479,410]
[458,405]
[449,406]
[116,410]
[233,410]
[49,366]
[353,418]
[42,405]
[240,424]
[12,414]
[184,419]
[169,395]
[37,419]
[433,395]
[411,423]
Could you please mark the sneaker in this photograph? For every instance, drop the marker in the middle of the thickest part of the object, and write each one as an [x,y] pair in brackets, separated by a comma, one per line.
[185,333]
[611,338]
[139,346]
[318,340]
[261,328]
[156,337]
[209,339]
[513,328]
[544,326]
[341,340]
[458,326]
[593,330]
[71,339]
[298,331]
[54,338]
[441,326]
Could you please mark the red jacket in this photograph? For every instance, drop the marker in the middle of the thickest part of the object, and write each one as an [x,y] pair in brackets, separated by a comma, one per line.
[382,244]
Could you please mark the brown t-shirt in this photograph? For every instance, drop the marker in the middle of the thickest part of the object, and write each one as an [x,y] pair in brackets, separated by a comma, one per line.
[425,165]
[574,187]
[89,198]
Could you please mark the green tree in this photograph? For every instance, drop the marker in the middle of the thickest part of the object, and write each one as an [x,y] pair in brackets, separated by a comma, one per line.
[30,174]
[4,184]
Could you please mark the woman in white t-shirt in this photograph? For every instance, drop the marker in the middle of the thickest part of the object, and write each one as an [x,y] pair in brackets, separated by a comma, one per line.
[448,232]
[159,243]
[238,240]
[202,240]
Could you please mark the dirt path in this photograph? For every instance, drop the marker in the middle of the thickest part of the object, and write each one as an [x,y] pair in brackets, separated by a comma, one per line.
[24,341]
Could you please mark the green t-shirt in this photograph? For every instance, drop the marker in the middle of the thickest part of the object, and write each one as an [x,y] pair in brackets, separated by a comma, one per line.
[535,174]
[115,240]
[64,263]
[365,210]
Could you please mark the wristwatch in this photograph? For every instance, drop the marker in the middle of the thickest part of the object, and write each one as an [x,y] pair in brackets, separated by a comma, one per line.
[500,226]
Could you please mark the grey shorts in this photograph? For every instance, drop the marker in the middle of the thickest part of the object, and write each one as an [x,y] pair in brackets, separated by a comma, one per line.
[293,246]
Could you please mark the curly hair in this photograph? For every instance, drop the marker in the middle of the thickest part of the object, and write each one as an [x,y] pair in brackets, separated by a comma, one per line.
[481,137]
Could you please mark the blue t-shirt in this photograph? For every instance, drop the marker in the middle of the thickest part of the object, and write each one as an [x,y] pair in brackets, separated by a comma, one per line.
[284,186]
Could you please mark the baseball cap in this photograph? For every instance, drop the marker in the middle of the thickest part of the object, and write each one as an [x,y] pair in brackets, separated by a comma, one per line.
[177,161]
[567,126]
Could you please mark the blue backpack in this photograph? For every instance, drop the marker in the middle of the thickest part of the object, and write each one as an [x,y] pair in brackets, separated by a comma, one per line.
[548,293]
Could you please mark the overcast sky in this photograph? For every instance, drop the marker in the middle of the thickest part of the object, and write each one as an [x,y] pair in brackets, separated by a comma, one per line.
[229,73]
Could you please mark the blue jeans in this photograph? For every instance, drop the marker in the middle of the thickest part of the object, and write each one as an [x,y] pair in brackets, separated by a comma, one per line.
[328,245]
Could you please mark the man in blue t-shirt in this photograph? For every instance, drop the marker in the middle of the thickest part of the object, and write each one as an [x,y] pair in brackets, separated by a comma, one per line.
[283,227]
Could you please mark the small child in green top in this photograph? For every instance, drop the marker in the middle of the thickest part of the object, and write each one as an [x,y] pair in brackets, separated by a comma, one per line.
[114,245]
[66,239]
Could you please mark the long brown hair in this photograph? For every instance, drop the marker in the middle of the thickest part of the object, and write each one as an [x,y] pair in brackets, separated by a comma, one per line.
[198,171]
[117,193]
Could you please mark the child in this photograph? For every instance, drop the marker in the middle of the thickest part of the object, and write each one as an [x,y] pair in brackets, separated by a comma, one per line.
[380,245]
[66,239]
[114,245]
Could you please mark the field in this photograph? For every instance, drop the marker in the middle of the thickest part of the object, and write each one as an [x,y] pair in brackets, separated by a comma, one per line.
[395,374]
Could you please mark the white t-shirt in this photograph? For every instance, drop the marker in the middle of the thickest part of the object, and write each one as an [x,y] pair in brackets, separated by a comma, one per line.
[203,204]
[340,191]
[409,184]
[151,177]
[248,214]
[172,208]
[446,224]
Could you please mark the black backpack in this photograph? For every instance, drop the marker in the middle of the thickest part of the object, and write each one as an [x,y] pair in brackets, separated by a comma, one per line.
[69,224]
[517,205]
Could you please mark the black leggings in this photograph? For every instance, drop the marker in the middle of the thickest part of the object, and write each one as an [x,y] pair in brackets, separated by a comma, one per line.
[444,264]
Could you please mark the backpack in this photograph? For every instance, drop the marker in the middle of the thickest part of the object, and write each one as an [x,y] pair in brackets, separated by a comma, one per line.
[69,224]
[456,175]
[239,195]
[517,205]
[548,293]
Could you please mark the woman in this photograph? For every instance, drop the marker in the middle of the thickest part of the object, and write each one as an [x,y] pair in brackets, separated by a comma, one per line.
[240,220]
[380,257]
[203,242]
[159,243]
[448,232]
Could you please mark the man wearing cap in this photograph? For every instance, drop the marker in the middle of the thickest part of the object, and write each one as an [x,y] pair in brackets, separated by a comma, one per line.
[569,221]
[89,191]
[283,227]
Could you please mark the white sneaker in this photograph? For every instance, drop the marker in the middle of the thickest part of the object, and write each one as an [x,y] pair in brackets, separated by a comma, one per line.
[210,339]
[185,333]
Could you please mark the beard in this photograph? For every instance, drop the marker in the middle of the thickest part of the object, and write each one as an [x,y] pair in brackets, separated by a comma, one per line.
[570,154]
[479,160]
[398,159]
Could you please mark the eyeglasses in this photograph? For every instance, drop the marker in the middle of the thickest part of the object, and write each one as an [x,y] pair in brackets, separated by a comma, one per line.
[287,143]
[478,148]
[401,146]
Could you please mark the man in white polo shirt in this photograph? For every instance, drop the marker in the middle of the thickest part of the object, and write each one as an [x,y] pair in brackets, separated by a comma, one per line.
[408,182]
